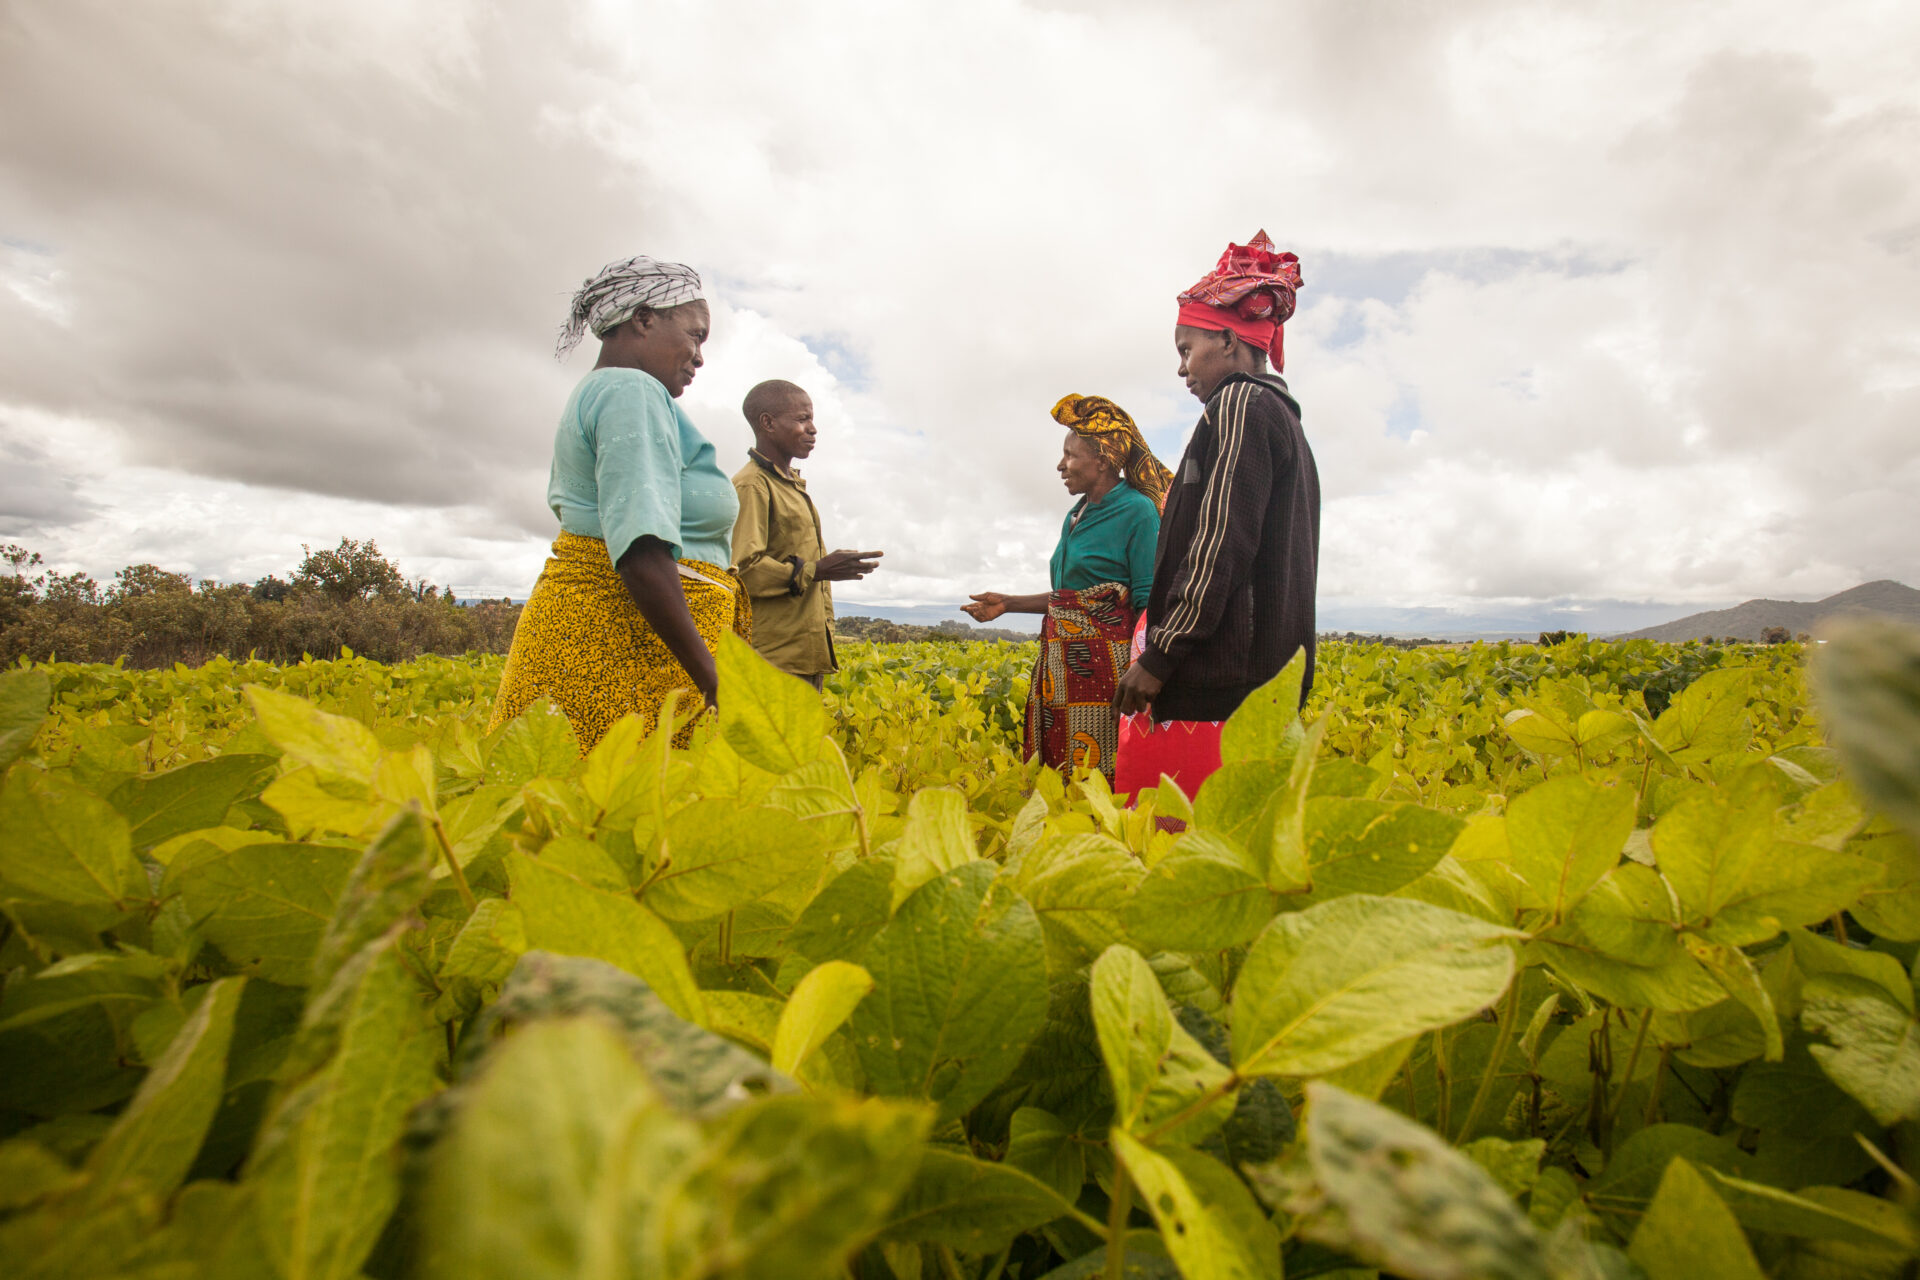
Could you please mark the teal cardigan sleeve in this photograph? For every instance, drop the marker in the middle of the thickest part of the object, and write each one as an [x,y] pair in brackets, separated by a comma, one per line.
[1142,540]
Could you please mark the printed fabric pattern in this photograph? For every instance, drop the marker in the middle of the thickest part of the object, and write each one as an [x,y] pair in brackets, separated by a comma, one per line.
[582,644]
[1083,650]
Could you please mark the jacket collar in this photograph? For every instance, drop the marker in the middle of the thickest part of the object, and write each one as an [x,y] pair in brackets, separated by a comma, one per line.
[791,475]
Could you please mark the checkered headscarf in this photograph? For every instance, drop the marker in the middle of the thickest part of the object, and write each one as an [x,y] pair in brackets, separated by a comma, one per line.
[622,288]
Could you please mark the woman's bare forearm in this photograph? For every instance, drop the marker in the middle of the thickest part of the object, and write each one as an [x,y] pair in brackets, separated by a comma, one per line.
[1027,604]
[653,580]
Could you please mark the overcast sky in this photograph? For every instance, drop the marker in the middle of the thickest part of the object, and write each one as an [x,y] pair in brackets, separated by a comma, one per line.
[1605,305]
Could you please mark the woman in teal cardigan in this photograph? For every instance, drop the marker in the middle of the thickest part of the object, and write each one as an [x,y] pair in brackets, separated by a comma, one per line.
[1101,571]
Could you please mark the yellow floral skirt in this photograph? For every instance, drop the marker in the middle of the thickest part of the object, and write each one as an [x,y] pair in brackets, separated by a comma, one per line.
[582,644]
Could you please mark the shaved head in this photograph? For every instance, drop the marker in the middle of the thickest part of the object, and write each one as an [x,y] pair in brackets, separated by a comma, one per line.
[769,397]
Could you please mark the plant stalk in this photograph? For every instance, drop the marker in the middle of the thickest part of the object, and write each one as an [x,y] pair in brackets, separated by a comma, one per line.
[1509,1015]
[1626,1079]
[1117,1210]
[454,868]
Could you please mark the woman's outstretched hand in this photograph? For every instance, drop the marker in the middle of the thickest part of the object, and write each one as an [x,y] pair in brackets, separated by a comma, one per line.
[987,606]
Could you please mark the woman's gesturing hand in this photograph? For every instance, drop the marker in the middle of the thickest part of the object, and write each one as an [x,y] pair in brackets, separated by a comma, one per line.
[846,566]
[987,606]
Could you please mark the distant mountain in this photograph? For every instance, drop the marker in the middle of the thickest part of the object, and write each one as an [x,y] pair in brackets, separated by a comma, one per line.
[1747,621]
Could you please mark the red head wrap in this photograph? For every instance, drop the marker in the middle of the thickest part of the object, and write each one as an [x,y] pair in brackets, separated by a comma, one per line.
[1250,291]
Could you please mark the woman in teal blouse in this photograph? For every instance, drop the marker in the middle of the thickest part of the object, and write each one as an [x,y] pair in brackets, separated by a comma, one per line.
[1101,571]
[633,602]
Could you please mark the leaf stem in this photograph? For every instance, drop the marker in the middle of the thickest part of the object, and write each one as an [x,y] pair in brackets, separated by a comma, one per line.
[1626,1078]
[1653,1099]
[1509,1014]
[454,868]
[1117,1210]
[1194,1108]
[949,1265]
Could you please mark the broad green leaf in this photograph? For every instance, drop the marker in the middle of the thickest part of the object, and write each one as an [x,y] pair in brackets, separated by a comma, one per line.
[333,746]
[1515,1166]
[1206,1215]
[960,991]
[1628,915]
[1689,1233]
[1266,726]
[1891,906]
[935,840]
[1372,846]
[1077,885]
[1235,795]
[159,806]
[846,912]
[24,695]
[1392,1193]
[539,743]
[1538,732]
[1135,1028]
[1277,842]
[66,845]
[387,882]
[28,1172]
[488,945]
[971,1205]
[1868,678]
[1199,897]
[1814,1258]
[1631,1178]
[771,719]
[1675,984]
[1795,1098]
[535,1182]
[1717,847]
[1327,986]
[265,906]
[622,768]
[789,1187]
[1759,1207]
[312,802]
[1814,955]
[125,984]
[324,1175]
[1709,717]
[695,1070]
[1732,968]
[823,1000]
[154,1141]
[585,861]
[720,856]
[1875,1055]
[566,916]
[1044,1146]
[1566,833]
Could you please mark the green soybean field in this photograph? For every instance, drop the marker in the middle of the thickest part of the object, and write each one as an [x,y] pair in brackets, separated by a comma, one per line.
[1587,961]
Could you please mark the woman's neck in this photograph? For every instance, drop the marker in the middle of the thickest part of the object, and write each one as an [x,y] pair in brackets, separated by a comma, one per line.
[1101,488]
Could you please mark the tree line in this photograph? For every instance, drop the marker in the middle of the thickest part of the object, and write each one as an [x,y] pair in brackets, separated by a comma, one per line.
[349,596]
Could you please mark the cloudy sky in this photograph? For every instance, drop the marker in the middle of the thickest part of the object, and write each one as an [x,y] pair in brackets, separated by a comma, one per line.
[1612,308]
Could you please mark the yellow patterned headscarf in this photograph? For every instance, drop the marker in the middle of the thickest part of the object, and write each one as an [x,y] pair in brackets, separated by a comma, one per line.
[1119,441]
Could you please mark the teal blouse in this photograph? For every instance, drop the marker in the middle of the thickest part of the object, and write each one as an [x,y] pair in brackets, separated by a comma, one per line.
[1113,542]
[628,462]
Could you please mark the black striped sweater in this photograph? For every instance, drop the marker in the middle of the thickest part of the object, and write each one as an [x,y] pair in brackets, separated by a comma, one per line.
[1239,551]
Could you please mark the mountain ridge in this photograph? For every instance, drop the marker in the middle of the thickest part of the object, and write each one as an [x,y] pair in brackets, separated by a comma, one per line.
[1750,620]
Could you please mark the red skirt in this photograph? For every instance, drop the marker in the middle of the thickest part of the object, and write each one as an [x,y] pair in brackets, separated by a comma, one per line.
[1188,751]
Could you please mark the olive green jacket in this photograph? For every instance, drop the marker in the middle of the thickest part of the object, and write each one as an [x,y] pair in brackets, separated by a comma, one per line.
[776,546]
